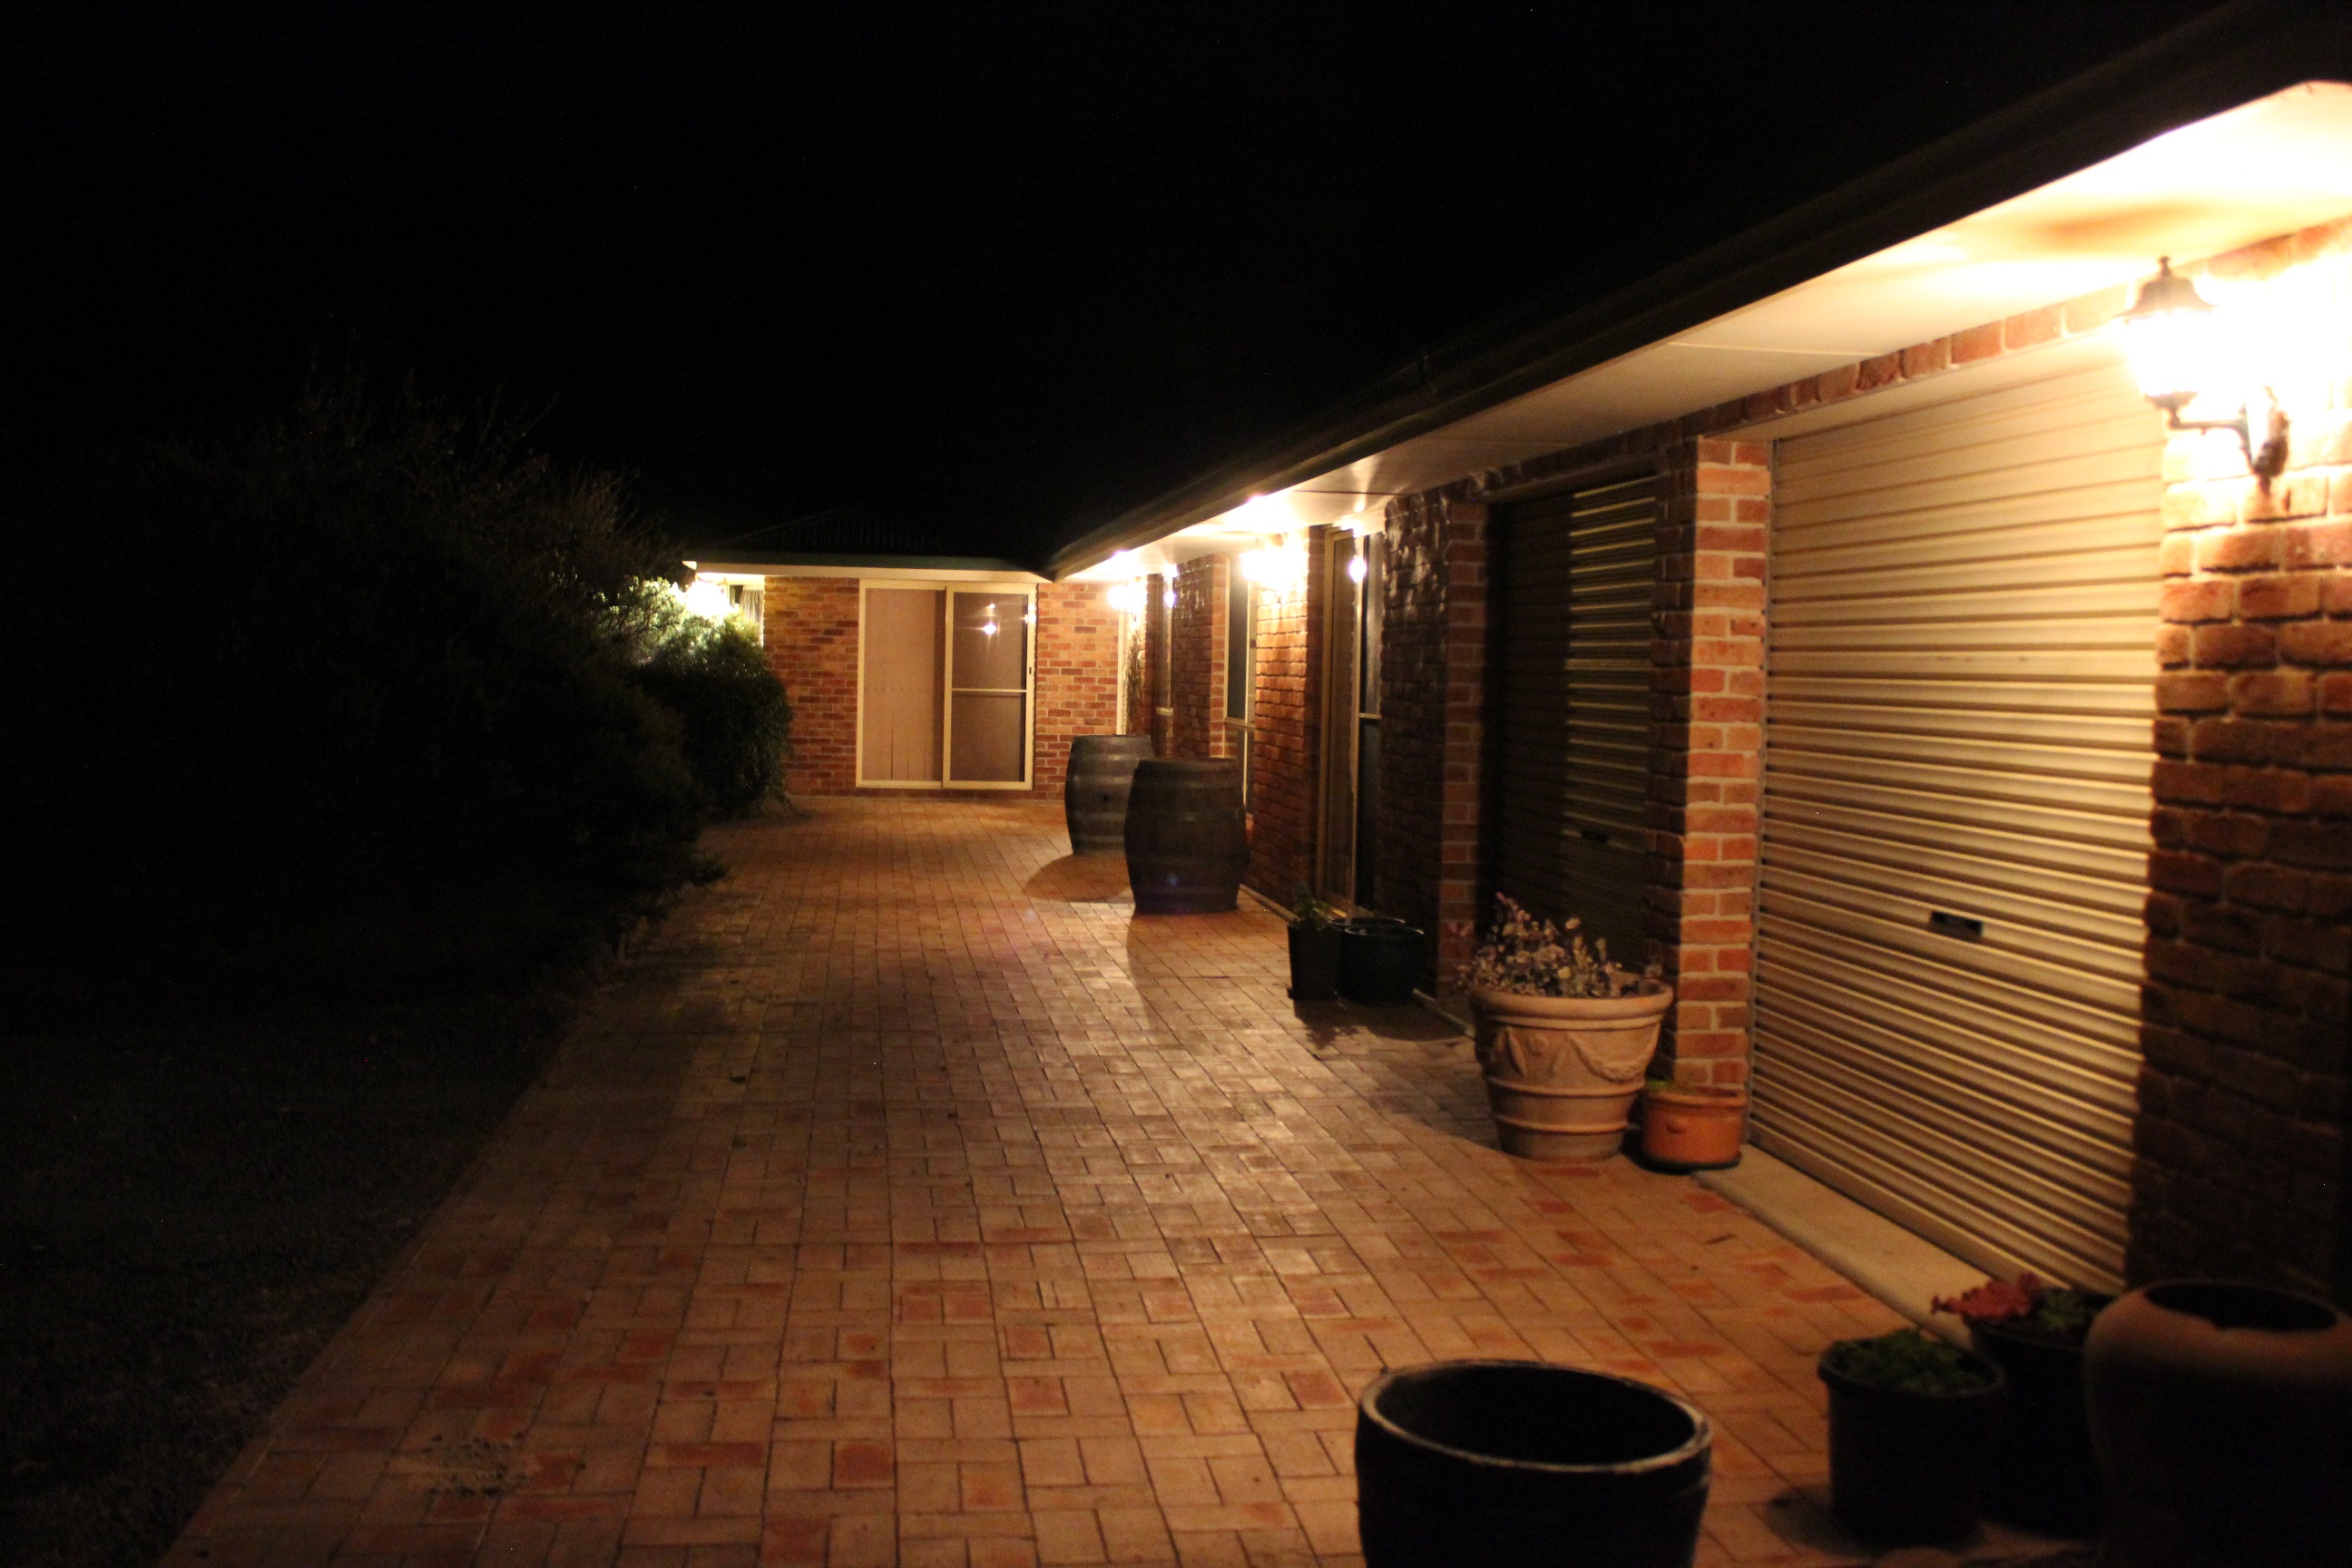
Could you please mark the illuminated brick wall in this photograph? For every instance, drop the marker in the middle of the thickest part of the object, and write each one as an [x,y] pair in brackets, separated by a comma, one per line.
[810,628]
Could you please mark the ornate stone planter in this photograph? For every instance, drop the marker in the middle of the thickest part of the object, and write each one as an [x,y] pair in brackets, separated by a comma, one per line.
[1562,1072]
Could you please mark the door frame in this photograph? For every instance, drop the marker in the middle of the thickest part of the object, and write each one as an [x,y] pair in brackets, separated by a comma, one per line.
[948,589]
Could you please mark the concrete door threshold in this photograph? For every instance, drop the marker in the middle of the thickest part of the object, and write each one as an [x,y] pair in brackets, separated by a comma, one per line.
[1904,1271]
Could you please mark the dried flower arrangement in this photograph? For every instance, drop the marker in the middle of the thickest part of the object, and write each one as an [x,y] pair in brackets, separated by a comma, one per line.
[1529,957]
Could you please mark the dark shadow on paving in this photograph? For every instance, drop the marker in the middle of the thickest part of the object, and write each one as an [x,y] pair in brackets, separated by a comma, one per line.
[191,1210]
[1080,879]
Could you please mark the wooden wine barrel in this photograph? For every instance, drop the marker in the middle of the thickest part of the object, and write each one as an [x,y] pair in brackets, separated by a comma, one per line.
[1186,844]
[1094,796]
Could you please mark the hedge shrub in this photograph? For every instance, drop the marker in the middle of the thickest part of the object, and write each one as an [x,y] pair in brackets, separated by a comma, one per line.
[362,676]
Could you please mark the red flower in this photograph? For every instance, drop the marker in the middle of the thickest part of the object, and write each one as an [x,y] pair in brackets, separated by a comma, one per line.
[1996,1301]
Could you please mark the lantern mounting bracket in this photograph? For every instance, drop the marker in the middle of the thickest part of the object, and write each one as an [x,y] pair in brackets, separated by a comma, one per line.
[2266,459]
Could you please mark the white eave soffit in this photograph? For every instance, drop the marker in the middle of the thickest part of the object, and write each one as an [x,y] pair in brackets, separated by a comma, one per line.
[2267,168]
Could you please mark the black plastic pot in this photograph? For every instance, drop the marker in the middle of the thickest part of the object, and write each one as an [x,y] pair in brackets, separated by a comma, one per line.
[1381,960]
[2043,1477]
[1911,1468]
[1509,1464]
[1314,962]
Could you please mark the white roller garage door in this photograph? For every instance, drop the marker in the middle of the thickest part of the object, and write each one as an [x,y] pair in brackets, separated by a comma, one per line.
[1956,815]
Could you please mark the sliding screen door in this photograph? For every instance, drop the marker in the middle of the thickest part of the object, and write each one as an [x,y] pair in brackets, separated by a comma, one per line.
[988,686]
[903,693]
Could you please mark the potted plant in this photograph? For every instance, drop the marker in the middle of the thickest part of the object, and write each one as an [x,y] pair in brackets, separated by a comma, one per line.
[1692,1126]
[1381,960]
[1564,1036]
[1912,1423]
[2043,1477]
[2222,1414]
[1314,948]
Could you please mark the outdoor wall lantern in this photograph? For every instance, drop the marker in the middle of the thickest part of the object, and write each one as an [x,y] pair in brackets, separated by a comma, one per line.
[2178,352]
[1280,564]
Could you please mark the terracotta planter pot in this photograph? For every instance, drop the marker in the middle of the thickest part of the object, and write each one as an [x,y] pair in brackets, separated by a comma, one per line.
[2222,1417]
[1691,1128]
[1562,1072]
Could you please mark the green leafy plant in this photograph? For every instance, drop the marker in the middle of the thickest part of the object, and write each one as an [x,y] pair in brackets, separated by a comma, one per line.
[1313,912]
[2027,1304]
[736,718]
[1530,957]
[375,683]
[1907,1361]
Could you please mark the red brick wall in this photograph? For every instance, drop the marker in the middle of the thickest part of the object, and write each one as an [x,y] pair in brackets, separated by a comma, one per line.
[1158,637]
[1706,747]
[2243,1162]
[1285,705]
[1416,842]
[1706,687]
[1197,630]
[1134,677]
[810,628]
[1078,658]
[810,625]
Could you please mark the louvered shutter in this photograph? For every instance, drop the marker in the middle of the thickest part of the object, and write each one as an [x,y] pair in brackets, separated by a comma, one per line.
[1571,757]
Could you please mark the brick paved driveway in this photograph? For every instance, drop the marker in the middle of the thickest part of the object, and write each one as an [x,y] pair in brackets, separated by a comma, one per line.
[910,1202]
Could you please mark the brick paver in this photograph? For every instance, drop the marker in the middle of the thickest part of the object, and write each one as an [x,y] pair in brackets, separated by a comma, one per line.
[911,1202]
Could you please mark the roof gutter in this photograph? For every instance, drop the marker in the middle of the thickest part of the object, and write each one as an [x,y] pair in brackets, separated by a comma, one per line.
[2228,56]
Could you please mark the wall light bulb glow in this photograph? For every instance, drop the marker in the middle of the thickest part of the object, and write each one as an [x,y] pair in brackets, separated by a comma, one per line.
[708,597]
[1357,569]
[1168,598]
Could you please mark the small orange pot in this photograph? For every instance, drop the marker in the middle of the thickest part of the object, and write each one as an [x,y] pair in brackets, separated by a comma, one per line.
[1691,1128]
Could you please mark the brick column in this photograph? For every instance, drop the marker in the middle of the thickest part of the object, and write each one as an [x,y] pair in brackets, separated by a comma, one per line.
[1412,711]
[1286,690]
[1197,630]
[1157,653]
[2243,1161]
[1460,868]
[1706,707]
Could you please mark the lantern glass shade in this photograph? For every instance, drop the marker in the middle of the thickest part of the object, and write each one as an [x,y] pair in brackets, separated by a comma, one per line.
[2173,340]
[2175,356]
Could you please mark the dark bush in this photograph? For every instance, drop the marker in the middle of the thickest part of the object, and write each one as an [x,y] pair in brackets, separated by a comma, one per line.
[357,684]
[738,722]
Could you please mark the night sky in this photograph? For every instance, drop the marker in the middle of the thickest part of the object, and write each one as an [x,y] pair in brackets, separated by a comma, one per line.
[995,272]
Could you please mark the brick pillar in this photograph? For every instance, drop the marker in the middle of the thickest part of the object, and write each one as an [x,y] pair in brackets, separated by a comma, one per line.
[1285,694]
[2243,1163]
[1460,825]
[1157,653]
[1079,640]
[1412,711]
[1707,742]
[1197,630]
